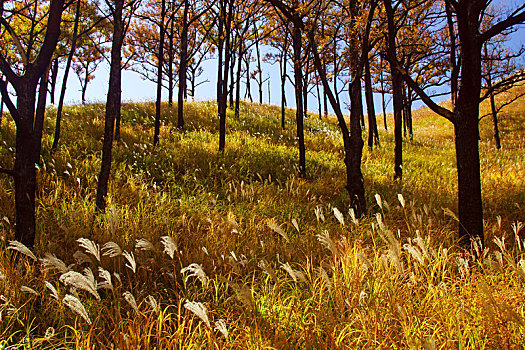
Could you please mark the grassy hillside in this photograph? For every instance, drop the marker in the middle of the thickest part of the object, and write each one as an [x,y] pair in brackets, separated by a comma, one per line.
[261,249]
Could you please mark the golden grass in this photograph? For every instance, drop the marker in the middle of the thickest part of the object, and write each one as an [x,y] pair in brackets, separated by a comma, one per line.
[269,261]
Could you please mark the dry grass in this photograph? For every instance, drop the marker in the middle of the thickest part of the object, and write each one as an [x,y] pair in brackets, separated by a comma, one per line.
[207,250]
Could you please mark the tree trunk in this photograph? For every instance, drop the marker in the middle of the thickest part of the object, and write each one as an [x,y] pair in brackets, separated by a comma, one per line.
[53,79]
[259,70]
[352,141]
[397,86]
[466,127]
[232,80]
[238,81]
[112,105]
[373,134]
[183,64]
[383,104]
[64,79]
[158,101]
[248,92]
[299,114]
[171,60]
[282,65]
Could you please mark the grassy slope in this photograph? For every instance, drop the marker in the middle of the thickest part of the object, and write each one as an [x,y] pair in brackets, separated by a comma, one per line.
[392,280]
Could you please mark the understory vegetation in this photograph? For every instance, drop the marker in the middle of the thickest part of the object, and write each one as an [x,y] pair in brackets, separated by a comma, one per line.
[200,249]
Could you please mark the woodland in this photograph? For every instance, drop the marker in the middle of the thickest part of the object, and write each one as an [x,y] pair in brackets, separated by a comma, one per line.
[232,223]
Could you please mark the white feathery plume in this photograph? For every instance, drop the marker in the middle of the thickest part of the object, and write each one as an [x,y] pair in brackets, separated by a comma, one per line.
[131,301]
[220,326]
[319,213]
[296,225]
[52,289]
[152,302]
[355,220]
[19,247]
[516,227]
[170,246]
[2,274]
[450,213]
[81,258]
[378,200]
[106,279]
[77,280]
[130,258]
[195,270]
[198,309]
[90,276]
[277,229]
[401,199]
[90,247]
[339,216]
[111,249]
[324,238]
[51,262]
[28,290]
[415,252]
[296,275]
[144,244]
[76,306]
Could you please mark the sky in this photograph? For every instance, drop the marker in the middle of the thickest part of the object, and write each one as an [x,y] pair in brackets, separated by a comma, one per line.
[135,88]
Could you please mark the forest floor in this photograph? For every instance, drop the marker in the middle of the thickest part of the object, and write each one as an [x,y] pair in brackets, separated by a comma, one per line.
[205,250]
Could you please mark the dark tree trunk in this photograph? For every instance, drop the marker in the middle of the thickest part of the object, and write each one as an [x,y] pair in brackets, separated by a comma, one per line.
[453,60]
[2,102]
[352,141]
[53,79]
[299,115]
[84,86]
[248,92]
[373,134]
[466,128]
[283,66]
[112,105]
[28,124]
[232,76]
[238,81]
[409,113]
[397,86]
[494,113]
[383,104]
[160,64]
[222,83]
[171,59]
[305,89]
[259,70]
[64,79]
[319,103]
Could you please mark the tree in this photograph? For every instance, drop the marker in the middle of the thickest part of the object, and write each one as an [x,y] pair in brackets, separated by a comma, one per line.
[120,25]
[465,115]
[24,74]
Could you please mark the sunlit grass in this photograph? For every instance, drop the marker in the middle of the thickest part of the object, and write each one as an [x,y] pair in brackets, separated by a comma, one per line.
[258,247]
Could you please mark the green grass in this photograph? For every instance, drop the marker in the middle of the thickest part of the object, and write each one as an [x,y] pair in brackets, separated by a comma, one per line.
[392,279]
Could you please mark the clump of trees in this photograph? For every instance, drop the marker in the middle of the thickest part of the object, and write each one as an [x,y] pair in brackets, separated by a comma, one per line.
[406,49]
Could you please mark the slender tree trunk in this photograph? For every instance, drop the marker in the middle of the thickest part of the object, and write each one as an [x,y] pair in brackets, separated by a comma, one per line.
[409,114]
[305,90]
[397,86]
[453,59]
[160,54]
[383,104]
[53,79]
[2,103]
[232,77]
[299,115]
[183,66]
[352,141]
[224,28]
[283,66]
[84,86]
[113,104]
[238,81]
[171,61]
[494,113]
[248,79]
[64,80]
[319,103]
[373,134]
[259,69]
